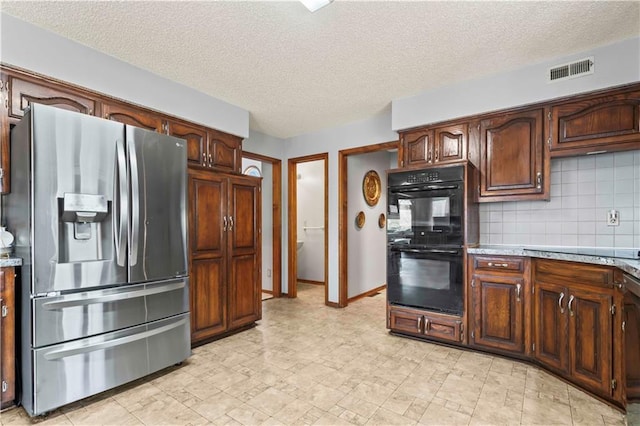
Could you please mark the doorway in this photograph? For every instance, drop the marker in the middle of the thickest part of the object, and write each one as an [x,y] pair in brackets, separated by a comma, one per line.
[271,171]
[308,221]
[345,221]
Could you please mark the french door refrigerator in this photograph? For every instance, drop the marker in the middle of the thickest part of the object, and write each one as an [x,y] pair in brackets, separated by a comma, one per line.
[99,213]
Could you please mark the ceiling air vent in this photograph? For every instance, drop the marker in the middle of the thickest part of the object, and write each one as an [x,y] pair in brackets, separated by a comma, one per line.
[571,70]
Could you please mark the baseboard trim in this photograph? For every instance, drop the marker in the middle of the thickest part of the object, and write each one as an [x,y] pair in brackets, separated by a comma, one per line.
[332,304]
[300,280]
[367,293]
[267,291]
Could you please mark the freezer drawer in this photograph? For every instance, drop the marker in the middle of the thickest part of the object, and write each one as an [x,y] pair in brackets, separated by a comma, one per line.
[63,318]
[72,371]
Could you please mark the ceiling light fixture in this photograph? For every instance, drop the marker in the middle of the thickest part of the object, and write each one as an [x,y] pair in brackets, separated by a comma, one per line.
[314,5]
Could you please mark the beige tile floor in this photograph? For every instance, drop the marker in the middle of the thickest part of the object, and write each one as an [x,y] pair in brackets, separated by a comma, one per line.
[309,364]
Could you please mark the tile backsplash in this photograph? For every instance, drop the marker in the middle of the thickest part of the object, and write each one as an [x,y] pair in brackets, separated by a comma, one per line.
[583,190]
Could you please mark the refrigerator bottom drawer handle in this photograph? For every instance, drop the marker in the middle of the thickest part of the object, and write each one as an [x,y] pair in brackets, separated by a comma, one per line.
[63,353]
[60,304]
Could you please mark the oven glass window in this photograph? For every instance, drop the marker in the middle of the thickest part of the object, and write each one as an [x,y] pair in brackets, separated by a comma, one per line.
[425,273]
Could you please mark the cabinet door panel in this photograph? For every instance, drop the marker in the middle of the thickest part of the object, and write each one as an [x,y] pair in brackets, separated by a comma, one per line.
[132,116]
[196,142]
[550,325]
[8,336]
[512,155]
[590,339]
[208,298]
[207,197]
[225,151]
[450,143]
[245,295]
[632,344]
[499,312]
[443,327]
[244,201]
[597,123]
[25,92]
[405,322]
[418,147]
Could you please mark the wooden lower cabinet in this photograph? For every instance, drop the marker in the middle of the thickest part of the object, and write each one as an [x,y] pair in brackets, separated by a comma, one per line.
[425,324]
[7,337]
[631,316]
[498,312]
[498,289]
[224,233]
[574,325]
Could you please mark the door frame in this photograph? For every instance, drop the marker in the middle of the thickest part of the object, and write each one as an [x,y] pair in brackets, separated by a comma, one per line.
[276,171]
[293,221]
[343,188]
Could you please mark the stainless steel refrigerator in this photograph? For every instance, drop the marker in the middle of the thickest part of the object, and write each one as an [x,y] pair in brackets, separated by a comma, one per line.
[98,209]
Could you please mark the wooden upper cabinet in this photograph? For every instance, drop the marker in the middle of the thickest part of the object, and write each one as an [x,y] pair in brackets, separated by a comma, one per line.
[24,92]
[595,123]
[417,147]
[196,138]
[133,116]
[512,162]
[450,143]
[225,151]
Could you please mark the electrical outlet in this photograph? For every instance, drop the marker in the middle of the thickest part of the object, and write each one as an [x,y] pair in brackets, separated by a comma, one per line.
[268,272]
[613,218]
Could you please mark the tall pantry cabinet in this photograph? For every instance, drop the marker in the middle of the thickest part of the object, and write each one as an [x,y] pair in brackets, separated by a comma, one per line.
[224,235]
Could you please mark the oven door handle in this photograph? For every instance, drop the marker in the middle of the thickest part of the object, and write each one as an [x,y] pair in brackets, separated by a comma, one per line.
[412,250]
[423,188]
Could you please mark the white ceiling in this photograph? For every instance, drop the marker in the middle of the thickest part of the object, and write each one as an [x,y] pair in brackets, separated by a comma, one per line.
[297,71]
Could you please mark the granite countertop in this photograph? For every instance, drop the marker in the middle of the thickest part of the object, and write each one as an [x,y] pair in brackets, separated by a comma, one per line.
[630,266]
[10,261]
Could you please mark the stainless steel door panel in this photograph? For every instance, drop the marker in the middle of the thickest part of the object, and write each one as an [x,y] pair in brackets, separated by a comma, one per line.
[72,371]
[76,154]
[158,229]
[62,318]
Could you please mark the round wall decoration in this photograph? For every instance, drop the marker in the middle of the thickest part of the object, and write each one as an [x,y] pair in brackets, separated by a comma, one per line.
[371,187]
[360,220]
[382,220]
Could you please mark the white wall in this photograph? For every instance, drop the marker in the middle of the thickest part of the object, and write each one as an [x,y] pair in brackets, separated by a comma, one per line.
[310,203]
[615,64]
[367,261]
[35,49]
[376,129]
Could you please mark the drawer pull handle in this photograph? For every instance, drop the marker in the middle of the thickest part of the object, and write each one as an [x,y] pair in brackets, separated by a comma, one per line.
[427,325]
[560,303]
[501,265]
[419,324]
[518,288]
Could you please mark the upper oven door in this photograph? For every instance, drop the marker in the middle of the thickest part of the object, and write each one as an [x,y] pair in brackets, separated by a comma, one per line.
[426,214]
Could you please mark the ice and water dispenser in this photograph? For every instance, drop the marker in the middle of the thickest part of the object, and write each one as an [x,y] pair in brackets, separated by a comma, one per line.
[85,228]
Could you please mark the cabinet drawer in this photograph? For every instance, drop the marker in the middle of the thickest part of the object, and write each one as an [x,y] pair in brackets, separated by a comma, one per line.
[405,321]
[562,272]
[497,263]
[443,327]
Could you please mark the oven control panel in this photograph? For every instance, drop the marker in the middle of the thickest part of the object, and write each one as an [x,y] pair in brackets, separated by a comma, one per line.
[424,177]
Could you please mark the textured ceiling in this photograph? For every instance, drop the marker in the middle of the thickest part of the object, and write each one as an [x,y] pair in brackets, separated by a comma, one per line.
[297,71]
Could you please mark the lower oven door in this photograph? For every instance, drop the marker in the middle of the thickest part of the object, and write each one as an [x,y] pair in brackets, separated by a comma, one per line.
[426,278]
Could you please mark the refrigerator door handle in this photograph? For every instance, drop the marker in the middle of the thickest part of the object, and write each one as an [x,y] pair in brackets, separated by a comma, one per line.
[63,353]
[83,300]
[121,204]
[135,204]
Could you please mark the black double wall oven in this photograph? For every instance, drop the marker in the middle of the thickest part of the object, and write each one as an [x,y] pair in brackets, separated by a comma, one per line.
[425,225]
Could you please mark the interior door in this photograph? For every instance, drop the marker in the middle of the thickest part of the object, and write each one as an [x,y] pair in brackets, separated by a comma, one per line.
[158,182]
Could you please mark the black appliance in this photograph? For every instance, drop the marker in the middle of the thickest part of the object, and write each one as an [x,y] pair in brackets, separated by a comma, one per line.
[425,237]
